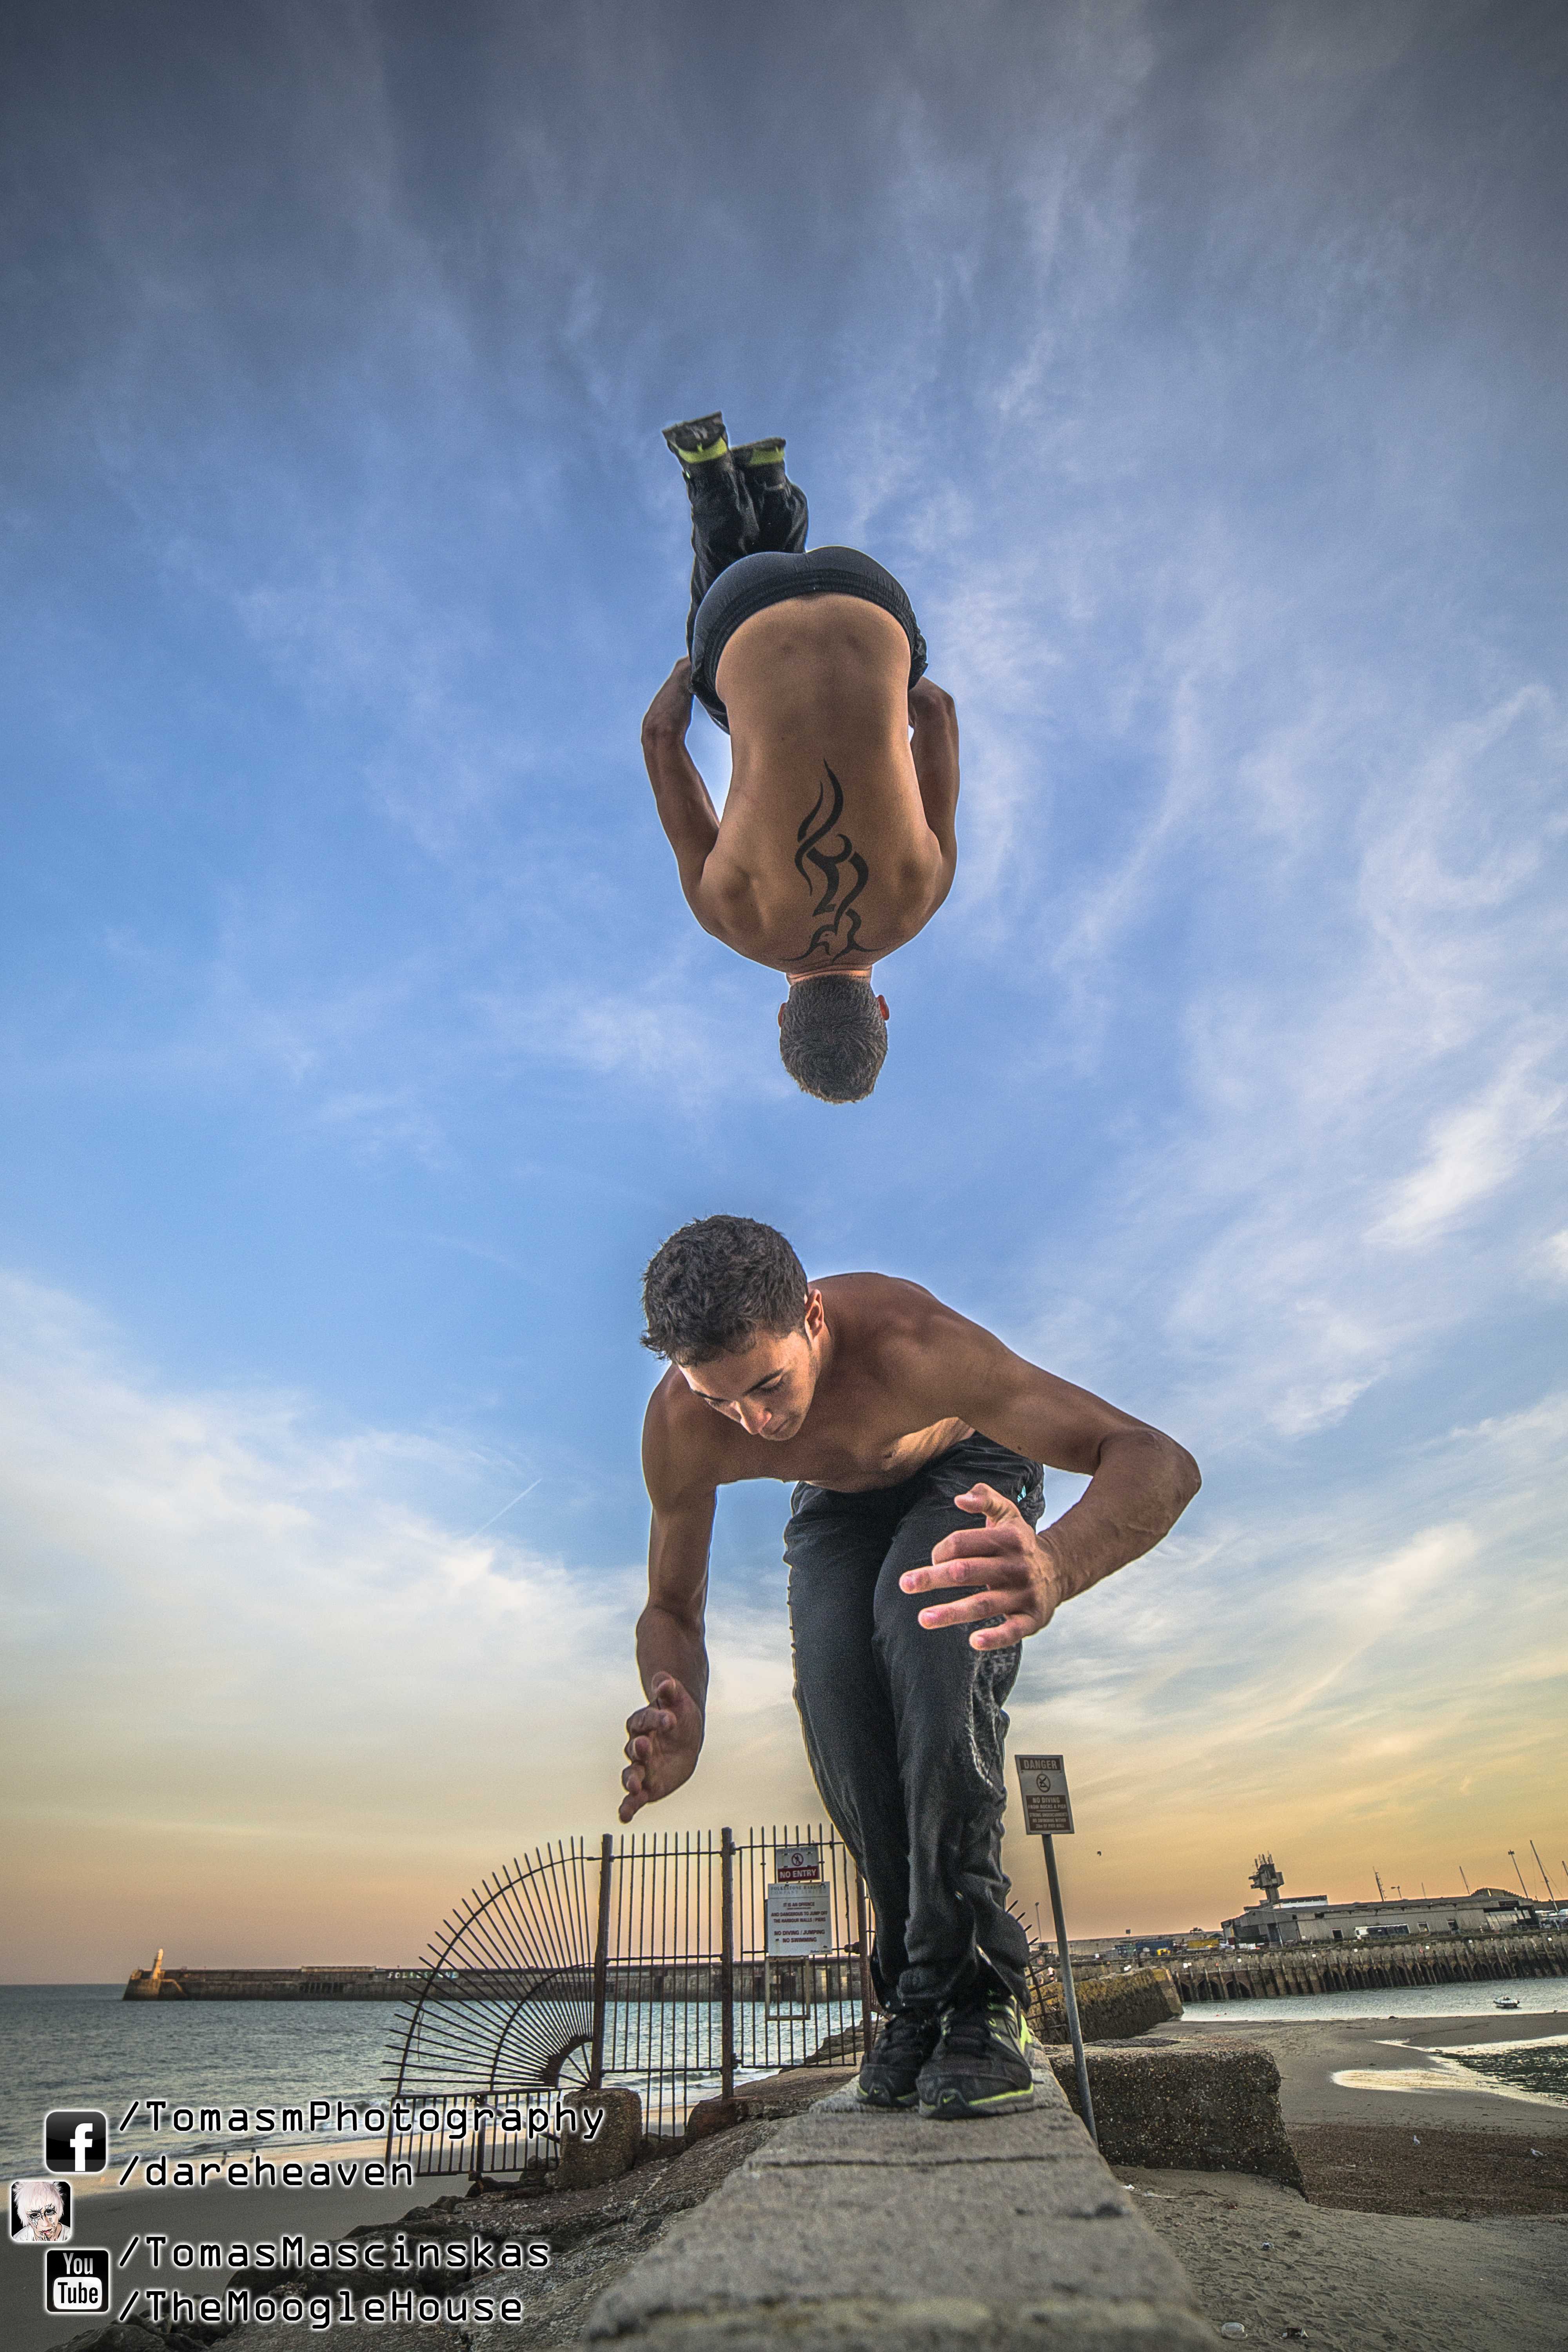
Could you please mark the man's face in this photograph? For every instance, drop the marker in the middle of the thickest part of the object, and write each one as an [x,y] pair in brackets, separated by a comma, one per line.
[766,1387]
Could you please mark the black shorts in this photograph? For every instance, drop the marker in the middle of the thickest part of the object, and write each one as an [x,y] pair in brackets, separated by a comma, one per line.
[755,581]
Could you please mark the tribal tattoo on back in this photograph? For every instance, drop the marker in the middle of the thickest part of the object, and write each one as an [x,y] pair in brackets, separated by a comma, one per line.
[842,871]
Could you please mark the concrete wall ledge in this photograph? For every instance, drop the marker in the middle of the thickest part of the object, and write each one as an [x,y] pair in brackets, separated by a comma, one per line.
[856,2231]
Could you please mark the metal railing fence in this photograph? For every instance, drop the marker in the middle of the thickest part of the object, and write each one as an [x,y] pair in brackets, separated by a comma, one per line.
[644,1965]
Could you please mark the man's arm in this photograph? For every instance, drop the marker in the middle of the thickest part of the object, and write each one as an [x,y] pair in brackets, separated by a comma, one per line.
[685,810]
[933,747]
[664,1738]
[1139,1482]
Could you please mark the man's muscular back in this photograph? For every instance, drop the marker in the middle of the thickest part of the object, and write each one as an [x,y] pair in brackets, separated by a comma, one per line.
[836,844]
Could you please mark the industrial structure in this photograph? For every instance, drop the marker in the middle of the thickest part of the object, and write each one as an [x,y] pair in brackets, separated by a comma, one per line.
[1313,1919]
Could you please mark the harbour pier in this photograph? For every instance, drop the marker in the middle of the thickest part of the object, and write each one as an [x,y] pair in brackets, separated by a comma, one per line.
[1273,1971]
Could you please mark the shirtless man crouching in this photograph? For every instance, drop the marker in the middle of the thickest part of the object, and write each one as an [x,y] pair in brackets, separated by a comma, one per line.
[836,843]
[874,1396]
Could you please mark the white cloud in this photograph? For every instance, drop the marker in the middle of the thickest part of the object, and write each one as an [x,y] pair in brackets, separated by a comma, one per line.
[212,1560]
[1376,1671]
[268,1626]
[1474,1152]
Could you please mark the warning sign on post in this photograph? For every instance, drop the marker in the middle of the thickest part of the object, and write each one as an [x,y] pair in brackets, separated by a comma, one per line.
[800,1921]
[796,1865]
[1043,1784]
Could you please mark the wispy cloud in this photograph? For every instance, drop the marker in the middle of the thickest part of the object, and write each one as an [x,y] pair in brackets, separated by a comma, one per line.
[1473,1152]
[1393,1661]
[266,1630]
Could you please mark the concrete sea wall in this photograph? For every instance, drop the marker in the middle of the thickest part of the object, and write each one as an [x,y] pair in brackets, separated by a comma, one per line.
[1268,1975]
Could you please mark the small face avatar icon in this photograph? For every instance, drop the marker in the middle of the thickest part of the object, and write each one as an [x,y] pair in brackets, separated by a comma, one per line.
[40,2212]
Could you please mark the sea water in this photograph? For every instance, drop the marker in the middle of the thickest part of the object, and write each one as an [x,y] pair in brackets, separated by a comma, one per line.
[82,2046]
[1535,2057]
[85,2046]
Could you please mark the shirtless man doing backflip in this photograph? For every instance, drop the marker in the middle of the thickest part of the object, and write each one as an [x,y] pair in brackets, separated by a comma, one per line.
[836,841]
[915,1575]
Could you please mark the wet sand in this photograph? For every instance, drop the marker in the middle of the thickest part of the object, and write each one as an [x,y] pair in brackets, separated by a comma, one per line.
[1440,2175]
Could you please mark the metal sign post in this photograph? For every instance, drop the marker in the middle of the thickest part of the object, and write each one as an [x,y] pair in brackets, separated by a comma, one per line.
[1047,1813]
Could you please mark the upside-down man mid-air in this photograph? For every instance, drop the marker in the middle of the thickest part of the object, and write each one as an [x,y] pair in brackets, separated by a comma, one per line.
[836,841]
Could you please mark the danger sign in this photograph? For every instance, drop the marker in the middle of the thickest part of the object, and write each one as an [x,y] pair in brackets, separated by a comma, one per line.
[1043,1785]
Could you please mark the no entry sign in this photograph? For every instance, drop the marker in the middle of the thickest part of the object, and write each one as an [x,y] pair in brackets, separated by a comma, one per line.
[1043,1784]
[799,1864]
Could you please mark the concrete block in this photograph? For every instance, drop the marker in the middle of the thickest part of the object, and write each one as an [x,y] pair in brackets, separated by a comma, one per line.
[854,2228]
[767,2100]
[615,2144]
[1110,2009]
[710,2115]
[1174,2104]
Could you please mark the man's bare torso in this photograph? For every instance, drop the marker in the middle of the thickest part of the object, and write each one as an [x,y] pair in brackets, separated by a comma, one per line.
[866,1426]
[824,855]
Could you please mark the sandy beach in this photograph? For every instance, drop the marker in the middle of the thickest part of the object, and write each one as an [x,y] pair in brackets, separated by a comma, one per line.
[1437,2211]
[1262,2259]
[1423,2091]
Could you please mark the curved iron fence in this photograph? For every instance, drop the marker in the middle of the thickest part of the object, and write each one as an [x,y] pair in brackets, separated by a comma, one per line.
[644,1963]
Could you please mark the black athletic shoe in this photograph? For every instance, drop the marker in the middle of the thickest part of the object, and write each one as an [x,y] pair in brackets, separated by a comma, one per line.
[890,2076]
[758,457]
[699,439]
[981,2066]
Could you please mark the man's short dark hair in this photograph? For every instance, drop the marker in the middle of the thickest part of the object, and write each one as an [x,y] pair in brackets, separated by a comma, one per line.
[833,1038]
[714,1284]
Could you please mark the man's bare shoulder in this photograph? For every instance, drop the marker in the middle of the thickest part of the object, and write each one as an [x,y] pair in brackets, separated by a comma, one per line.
[885,1322]
[902,1339]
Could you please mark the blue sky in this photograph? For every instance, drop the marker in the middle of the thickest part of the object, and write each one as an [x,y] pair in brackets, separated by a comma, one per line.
[1199,370]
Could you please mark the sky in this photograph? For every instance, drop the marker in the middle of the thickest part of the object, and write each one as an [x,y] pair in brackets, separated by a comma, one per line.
[1199,372]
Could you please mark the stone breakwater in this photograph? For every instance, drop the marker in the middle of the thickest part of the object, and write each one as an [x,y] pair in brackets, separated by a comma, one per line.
[1361,1967]
[274,1984]
[806,1983]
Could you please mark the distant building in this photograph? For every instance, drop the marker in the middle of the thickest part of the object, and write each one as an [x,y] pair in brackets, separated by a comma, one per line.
[1154,1943]
[1313,1919]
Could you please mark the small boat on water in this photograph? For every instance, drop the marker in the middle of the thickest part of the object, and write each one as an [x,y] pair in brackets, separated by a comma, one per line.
[1504,2000]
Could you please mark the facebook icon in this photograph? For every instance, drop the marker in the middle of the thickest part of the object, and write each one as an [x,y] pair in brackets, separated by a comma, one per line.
[76,2140]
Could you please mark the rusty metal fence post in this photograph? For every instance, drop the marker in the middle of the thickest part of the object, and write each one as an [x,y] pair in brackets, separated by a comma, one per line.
[601,1964]
[727,1966]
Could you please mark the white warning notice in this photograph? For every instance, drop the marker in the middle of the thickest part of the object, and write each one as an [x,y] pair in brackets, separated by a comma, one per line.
[800,1921]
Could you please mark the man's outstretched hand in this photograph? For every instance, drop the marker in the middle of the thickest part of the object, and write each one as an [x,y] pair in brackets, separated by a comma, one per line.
[1018,1577]
[663,1741]
[669,712]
